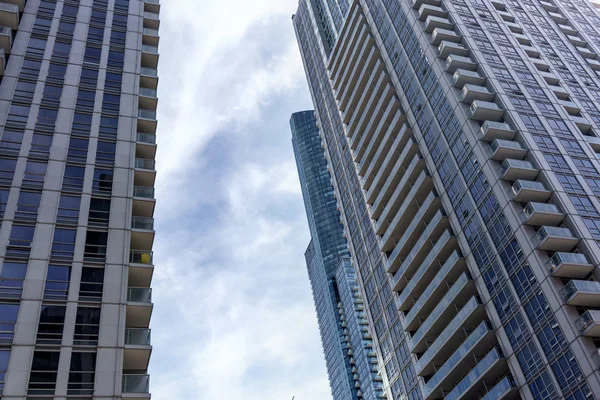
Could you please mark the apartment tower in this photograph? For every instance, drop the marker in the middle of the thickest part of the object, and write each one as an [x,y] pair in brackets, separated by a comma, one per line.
[462,138]
[77,145]
[349,355]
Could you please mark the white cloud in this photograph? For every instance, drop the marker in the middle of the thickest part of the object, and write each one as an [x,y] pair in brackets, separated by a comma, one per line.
[234,317]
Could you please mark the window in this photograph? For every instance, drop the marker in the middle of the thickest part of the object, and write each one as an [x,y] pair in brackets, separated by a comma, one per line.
[35,172]
[92,280]
[12,276]
[4,193]
[8,318]
[108,127]
[44,368]
[73,178]
[20,240]
[7,171]
[87,326]
[102,181]
[11,141]
[57,282]
[27,206]
[95,246]
[99,212]
[24,91]
[63,245]
[85,100]
[50,327]
[40,145]
[68,210]
[82,124]
[111,103]
[584,206]
[4,356]
[81,375]
[78,149]
[105,153]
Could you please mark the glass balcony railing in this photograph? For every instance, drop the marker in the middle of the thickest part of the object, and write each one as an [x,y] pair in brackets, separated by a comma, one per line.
[150,32]
[544,208]
[416,221]
[521,184]
[143,223]
[136,384]
[141,257]
[547,231]
[139,295]
[155,2]
[475,374]
[511,163]
[434,284]
[561,258]
[500,143]
[149,72]
[464,349]
[144,163]
[588,319]
[151,15]
[146,48]
[576,286]
[147,114]
[9,7]
[506,385]
[143,192]
[147,138]
[137,336]
[148,92]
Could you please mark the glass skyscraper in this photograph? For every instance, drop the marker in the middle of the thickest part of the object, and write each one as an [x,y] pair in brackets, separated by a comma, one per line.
[347,345]
[77,144]
[463,142]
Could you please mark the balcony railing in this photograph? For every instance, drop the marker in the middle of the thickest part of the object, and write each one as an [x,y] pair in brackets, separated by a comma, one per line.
[143,192]
[585,289]
[151,15]
[506,385]
[149,72]
[147,114]
[475,374]
[144,163]
[589,320]
[146,48]
[147,138]
[139,295]
[136,384]
[150,32]
[143,223]
[140,257]
[148,92]
[137,337]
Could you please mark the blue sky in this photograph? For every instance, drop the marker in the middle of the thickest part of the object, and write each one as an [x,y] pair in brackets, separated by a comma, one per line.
[233,317]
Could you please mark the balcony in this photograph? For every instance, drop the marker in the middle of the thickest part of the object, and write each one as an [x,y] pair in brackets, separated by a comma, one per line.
[594,142]
[149,77]
[6,41]
[492,130]
[525,191]
[137,349]
[485,110]
[570,107]
[449,272]
[148,99]
[470,93]
[149,56]
[142,233]
[143,201]
[406,266]
[145,172]
[583,124]
[531,51]
[517,169]
[447,48]
[150,36]
[456,297]
[488,369]
[503,149]
[146,121]
[454,62]
[141,268]
[514,27]
[589,323]
[467,319]
[462,77]
[555,239]
[443,249]
[139,307]
[432,23]
[9,15]
[439,35]
[427,10]
[463,359]
[145,145]
[570,265]
[582,293]
[522,39]
[594,64]
[152,6]
[576,40]
[498,4]
[538,214]
[505,389]
[586,53]
[135,387]
[151,20]
[418,3]
[559,92]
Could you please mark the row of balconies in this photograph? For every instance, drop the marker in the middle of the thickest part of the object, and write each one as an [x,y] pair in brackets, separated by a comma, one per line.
[141,267]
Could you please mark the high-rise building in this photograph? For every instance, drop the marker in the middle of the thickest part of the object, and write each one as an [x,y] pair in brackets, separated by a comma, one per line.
[77,144]
[463,141]
[350,360]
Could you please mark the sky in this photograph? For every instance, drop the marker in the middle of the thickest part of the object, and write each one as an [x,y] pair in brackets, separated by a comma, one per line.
[233,311]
